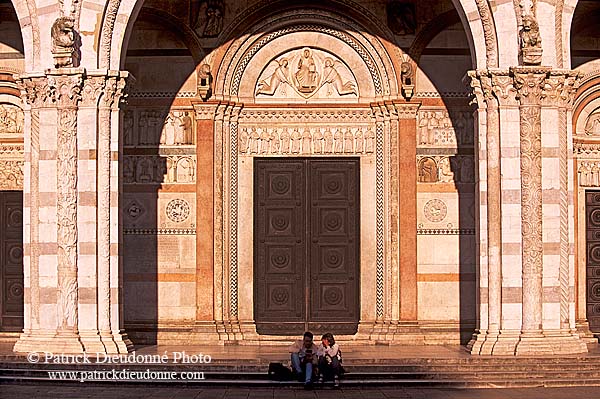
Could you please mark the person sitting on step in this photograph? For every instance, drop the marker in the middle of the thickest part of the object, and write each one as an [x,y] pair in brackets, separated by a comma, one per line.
[330,360]
[304,358]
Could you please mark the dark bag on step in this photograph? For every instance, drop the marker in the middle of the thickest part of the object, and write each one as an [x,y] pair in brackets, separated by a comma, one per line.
[278,372]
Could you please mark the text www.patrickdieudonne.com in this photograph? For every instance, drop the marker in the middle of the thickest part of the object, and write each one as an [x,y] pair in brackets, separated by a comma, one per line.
[126,375]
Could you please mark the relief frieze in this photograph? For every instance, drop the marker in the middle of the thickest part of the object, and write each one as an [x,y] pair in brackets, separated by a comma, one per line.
[440,128]
[154,169]
[298,140]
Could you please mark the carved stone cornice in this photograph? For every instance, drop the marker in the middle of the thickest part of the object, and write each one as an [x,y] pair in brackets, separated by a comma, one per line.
[581,149]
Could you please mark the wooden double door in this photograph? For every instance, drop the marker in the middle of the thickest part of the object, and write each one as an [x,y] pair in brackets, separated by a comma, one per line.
[306,245]
[11,260]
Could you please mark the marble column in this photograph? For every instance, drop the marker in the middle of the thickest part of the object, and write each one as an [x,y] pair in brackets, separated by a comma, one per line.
[73,306]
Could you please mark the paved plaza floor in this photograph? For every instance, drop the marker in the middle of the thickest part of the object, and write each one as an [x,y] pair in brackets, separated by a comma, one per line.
[81,391]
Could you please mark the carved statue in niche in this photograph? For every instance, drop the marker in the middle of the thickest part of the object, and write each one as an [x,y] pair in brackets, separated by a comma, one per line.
[129,170]
[592,126]
[428,172]
[244,140]
[445,169]
[467,171]
[370,141]
[12,119]
[359,141]
[275,142]
[530,41]
[185,170]
[285,141]
[128,131]
[209,17]
[265,141]
[348,141]
[63,41]
[328,138]
[188,127]
[314,69]
[296,141]
[306,141]
[167,136]
[144,169]
[319,137]
[401,17]
[338,139]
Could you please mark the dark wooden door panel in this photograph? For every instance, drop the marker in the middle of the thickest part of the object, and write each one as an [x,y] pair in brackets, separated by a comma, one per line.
[334,200]
[306,249]
[279,245]
[11,260]
[593,259]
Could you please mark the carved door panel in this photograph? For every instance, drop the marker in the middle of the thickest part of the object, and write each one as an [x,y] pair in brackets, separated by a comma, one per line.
[334,227]
[306,243]
[11,260]
[593,259]
[279,246]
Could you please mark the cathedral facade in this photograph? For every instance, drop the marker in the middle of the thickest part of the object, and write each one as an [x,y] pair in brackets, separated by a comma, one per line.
[214,171]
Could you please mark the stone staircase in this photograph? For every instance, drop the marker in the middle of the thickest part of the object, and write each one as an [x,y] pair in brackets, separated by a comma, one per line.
[464,372]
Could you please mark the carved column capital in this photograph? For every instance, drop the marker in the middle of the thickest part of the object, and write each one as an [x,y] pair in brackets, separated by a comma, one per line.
[406,110]
[205,111]
[34,89]
[560,88]
[529,83]
[66,88]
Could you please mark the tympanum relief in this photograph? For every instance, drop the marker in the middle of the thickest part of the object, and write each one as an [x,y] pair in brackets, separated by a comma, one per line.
[306,73]
[592,125]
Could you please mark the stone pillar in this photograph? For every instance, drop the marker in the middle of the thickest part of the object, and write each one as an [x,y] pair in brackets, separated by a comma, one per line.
[407,176]
[543,99]
[485,340]
[75,288]
[205,220]
[525,266]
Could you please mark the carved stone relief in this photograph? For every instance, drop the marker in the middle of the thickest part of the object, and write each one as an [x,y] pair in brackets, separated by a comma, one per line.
[401,17]
[178,210]
[442,129]
[435,210]
[445,169]
[302,140]
[208,18]
[152,169]
[592,125]
[589,173]
[158,128]
[11,119]
[306,73]
[11,175]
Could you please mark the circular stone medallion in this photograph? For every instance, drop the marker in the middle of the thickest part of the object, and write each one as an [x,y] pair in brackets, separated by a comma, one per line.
[435,210]
[178,210]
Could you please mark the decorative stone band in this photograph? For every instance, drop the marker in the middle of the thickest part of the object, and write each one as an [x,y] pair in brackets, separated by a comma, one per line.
[445,232]
[159,231]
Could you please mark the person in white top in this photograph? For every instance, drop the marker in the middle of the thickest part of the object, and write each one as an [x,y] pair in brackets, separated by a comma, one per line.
[330,359]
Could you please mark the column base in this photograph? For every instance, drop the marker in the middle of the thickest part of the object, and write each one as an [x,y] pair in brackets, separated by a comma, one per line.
[582,327]
[49,341]
[498,343]
[549,343]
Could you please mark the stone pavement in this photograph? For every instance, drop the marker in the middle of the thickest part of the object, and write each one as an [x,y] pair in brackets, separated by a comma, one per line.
[81,391]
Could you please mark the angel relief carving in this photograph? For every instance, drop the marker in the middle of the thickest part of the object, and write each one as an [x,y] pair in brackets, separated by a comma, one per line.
[307,73]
